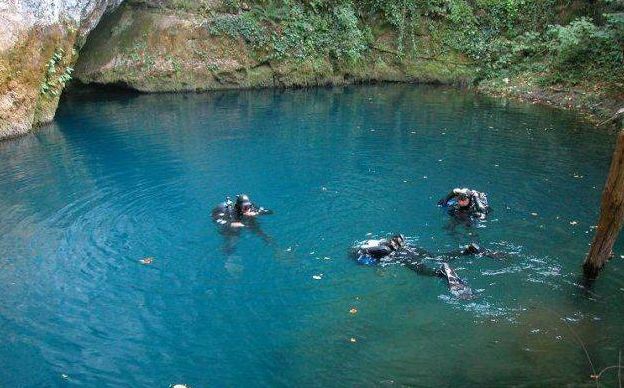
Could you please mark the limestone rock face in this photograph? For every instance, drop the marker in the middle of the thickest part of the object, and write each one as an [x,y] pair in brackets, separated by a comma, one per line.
[169,46]
[173,46]
[38,41]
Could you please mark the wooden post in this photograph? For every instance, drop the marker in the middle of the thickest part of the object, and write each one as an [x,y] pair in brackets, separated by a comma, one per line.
[611,214]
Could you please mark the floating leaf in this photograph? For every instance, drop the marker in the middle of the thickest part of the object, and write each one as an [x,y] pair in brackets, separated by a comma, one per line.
[146,260]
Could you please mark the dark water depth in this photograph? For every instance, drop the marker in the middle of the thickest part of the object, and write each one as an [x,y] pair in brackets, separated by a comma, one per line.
[117,178]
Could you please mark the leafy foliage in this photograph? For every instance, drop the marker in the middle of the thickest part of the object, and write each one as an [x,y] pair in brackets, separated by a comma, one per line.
[55,76]
[309,32]
[583,49]
[562,40]
[244,25]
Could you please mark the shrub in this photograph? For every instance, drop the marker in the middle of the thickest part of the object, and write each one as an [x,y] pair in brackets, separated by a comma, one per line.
[583,49]
[244,26]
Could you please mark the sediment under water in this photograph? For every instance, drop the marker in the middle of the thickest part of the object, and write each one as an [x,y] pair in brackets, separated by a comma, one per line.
[118,178]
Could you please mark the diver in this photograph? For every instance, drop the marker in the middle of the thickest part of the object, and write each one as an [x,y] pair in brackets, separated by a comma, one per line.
[395,250]
[466,204]
[371,251]
[234,216]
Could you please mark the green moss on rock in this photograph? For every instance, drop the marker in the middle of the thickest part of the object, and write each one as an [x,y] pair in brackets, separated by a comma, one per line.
[160,48]
[23,71]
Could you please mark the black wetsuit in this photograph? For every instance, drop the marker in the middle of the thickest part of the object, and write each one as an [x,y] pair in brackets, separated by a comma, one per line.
[381,252]
[378,251]
[477,208]
[227,213]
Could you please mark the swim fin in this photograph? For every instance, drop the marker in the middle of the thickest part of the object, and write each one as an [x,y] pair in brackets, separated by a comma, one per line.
[457,286]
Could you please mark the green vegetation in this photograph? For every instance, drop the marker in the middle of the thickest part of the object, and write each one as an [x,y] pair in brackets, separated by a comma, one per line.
[245,26]
[567,53]
[56,74]
[558,41]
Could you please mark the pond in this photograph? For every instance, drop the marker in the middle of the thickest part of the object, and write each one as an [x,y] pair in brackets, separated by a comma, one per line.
[118,178]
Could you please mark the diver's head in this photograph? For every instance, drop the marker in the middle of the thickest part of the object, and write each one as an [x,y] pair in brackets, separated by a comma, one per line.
[243,204]
[397,241]
[463,200]
[472,248]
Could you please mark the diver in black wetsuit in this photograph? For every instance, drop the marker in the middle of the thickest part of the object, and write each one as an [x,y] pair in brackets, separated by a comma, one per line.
[233,216]
[379,249]
[466,205]
[236,214]
[396,251]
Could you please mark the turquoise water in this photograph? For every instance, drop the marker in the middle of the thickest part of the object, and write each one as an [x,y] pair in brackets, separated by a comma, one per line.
[117,178]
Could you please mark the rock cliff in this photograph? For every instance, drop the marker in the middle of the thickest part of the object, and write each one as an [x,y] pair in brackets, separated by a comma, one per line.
[158,46]
[38,47]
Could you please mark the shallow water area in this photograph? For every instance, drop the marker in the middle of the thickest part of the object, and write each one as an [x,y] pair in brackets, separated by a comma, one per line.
[118,178]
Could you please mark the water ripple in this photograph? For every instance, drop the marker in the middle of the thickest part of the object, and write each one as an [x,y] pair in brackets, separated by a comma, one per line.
[118,179]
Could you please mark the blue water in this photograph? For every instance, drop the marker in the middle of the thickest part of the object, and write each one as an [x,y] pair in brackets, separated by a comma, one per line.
[118,178]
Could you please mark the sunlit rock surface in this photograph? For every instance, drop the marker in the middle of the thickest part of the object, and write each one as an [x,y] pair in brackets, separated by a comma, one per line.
[37,51]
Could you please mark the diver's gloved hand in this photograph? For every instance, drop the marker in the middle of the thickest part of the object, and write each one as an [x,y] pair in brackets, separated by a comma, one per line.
[442,202]
[263,211]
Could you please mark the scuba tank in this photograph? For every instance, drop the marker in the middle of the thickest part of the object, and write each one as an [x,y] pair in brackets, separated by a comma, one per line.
[483,200]
[223,212]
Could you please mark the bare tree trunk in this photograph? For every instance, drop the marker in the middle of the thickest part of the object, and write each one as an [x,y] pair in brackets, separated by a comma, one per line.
[611,214]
